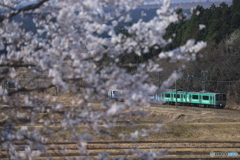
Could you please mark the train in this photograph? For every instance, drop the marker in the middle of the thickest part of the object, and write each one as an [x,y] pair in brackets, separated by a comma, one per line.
[115,94]
[201,99]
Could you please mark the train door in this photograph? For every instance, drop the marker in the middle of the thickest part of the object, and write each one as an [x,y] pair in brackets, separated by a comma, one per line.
[211,99]
[189,98]
[172,97]
[185,98]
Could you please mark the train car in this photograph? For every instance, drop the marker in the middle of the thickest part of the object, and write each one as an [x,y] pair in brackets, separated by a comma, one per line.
[203,99]
[115,94]
[118,95]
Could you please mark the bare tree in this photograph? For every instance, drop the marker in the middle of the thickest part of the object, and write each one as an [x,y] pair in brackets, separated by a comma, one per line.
[69,47]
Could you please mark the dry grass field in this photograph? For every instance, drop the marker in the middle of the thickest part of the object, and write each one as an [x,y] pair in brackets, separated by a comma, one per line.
[187,132]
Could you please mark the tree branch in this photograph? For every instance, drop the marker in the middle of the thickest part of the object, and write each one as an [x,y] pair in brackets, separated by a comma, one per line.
[17,65]
[23,89]
[6,6]
[23,9]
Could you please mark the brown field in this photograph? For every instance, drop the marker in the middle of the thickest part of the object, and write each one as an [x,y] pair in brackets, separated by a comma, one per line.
[187,133]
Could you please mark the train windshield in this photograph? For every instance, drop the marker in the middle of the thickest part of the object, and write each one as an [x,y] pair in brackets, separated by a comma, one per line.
[224,97]
[116,93]
[221,97]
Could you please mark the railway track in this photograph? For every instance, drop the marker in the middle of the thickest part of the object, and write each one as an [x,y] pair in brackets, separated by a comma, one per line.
[45,109]
[196,108]
[176,149]
[228,114]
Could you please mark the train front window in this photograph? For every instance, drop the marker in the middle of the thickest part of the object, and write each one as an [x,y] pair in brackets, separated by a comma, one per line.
[217,97]
[224,97]
[116,93]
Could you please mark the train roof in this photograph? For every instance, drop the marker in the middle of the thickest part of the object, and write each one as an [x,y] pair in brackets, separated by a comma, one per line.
[190,92]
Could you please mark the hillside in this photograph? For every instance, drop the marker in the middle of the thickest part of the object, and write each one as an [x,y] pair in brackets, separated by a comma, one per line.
[187,5]
[216,67]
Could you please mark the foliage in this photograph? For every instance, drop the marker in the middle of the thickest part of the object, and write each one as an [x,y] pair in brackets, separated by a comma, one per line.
[216,66]
[219,65]
[218,22]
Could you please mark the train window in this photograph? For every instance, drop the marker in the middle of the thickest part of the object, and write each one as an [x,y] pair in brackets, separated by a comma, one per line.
[194,96]
[178,95]
[205,98]
[217,97]
[167,95]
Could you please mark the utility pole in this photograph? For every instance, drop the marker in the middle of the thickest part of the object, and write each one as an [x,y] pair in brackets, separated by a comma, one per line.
[204,76]
[176,90]
[159,79]
[176,93]
[189,80]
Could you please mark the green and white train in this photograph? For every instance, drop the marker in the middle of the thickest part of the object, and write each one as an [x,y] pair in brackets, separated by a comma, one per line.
[203,99]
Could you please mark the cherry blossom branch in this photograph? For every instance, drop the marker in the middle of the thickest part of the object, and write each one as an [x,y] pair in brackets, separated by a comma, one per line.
[23,9]
[23,89]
